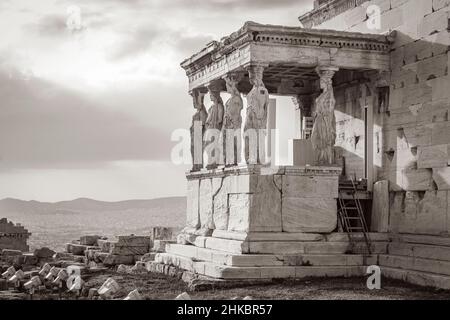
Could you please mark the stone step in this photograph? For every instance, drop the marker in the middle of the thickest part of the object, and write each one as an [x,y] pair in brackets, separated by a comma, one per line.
[415,264]
[419,251]
[419,278]
[269,272]
[335,243]
[254,260]
[312,247]
[301,237]
[421,239]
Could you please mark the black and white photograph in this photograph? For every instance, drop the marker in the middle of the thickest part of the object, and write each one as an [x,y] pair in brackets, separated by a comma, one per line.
[224,155]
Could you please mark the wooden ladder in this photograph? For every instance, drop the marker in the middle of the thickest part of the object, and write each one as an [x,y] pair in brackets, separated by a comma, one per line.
[351,216]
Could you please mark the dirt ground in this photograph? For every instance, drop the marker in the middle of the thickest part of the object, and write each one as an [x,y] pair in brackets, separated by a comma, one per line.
[156,286]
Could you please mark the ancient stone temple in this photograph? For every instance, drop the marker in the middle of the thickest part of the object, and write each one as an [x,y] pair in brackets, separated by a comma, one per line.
[370,85]
[13,236]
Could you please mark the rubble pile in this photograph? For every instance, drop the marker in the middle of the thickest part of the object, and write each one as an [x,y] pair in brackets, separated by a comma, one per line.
[47,271]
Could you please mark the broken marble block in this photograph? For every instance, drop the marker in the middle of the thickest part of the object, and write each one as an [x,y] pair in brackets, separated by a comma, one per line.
[89,240]
[10,252]
[160,245]
[76,249]
[130,245]
[44,253]
[115,259]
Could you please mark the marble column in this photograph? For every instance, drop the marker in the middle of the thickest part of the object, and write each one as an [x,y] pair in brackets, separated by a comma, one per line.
[197,129]
[255,129]
[323,135]
[213,126]
[232,121]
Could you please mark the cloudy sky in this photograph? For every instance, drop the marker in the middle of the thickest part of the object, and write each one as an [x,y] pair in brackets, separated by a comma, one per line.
[88,104]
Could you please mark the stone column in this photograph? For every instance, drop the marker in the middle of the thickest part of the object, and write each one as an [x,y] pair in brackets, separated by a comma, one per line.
[255,129]
[197,129]
[323,135]
[213,126]
[232,121]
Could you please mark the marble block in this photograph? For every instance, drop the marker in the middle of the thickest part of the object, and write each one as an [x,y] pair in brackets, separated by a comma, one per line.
[310,215]
[257,199]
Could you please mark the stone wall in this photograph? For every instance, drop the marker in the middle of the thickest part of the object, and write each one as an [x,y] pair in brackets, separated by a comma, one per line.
[350,130]
[13,236]
[279,199]
[416,126]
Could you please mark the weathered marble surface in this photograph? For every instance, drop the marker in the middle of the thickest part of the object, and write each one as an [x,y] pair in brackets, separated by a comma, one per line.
[254,199]
[419,212]
[380,207]
[433,156]
[309,215]
[441,176]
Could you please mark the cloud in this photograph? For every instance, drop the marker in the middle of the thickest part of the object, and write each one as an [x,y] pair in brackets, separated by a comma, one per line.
[46,126]
[134,42]
[152,38]
[51,24]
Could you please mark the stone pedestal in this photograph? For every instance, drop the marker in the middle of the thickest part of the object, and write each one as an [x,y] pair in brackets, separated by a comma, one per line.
[242,200]
[258,222]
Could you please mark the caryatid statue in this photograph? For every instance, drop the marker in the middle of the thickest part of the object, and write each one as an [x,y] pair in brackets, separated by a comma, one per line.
[213,126]
[323,135]
[256,121]
[232,121]
[198,129]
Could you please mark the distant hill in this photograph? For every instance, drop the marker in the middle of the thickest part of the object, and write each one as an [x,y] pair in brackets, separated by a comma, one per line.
[176,205]
[54,224]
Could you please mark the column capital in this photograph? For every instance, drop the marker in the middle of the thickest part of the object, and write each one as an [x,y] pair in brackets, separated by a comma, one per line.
[214,86]
[326,70]
[255,73]
[233,77]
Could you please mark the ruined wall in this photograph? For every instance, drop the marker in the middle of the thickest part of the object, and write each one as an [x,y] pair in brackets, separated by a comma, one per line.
[350,130]
[415,126]
[13,236]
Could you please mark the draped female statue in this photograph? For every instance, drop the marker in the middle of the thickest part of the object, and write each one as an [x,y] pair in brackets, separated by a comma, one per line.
[323,135]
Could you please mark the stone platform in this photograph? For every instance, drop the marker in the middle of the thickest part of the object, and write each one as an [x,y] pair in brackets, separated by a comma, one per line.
[305,255]
[238,201]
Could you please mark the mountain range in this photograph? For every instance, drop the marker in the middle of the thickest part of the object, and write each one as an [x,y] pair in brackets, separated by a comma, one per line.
[176,205]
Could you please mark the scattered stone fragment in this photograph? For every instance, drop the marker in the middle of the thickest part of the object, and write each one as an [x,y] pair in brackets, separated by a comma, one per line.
[183,296]
[89,240]
[10,252]
[45,270]
[19,275]
[63,256]
[109,288]
[122,268]
[248,298]
[133,295]
[76,249]
[93,292]
[35,282]
[9,272]
[44,253]
[114,259]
